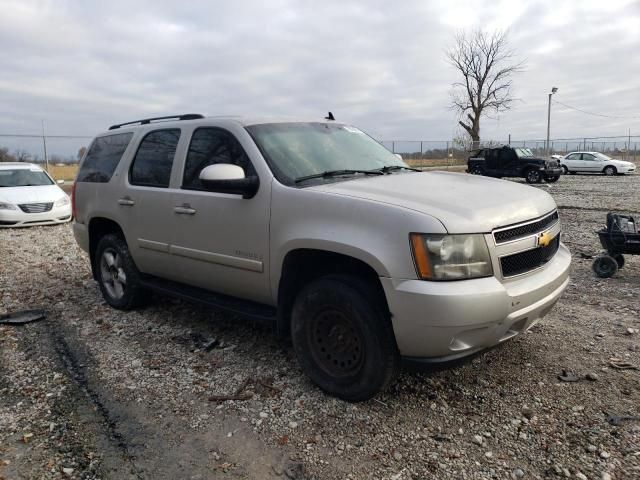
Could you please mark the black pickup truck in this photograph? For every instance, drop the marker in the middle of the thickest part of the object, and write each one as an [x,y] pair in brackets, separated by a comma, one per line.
[506,161]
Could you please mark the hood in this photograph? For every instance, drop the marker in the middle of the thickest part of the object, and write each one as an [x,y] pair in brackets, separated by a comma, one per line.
[463,203]
[621,163]
[39,194]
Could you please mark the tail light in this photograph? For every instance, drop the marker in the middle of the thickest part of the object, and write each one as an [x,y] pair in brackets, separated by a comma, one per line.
[73,200]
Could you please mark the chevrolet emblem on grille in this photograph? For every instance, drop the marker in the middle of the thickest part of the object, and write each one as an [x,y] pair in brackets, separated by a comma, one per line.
[544,239]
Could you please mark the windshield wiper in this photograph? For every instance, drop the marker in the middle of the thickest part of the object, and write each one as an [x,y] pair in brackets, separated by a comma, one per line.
[393,168]
[335,173]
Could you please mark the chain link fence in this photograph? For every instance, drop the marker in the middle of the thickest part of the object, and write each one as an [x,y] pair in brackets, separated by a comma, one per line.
[58,150]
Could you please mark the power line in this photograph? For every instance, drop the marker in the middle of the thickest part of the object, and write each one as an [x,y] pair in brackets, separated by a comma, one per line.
[595,114]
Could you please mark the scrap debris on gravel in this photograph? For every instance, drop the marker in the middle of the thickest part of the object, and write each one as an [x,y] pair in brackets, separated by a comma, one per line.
[180,391]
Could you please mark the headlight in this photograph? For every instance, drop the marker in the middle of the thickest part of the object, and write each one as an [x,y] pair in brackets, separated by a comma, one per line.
[450,257]
[7,206]
[62,202]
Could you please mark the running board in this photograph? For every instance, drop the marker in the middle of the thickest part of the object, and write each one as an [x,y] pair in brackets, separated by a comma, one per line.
[245,308]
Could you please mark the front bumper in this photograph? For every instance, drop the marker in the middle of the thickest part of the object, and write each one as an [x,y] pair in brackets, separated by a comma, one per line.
[553,172]
[18,218]
[441,321]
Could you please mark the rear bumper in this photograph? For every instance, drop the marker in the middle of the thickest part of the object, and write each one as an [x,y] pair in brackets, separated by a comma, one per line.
[81,234]
[443,321]
[18,218]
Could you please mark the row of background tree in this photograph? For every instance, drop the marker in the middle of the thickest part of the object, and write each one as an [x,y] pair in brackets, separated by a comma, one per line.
[24,156]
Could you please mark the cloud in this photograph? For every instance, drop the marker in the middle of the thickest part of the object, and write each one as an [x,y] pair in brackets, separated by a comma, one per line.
[82,66]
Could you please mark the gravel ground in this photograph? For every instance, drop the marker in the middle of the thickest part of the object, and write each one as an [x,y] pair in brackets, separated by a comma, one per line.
[92,392]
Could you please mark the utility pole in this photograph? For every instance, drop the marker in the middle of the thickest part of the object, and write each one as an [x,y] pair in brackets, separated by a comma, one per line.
[553,90]
[44,145]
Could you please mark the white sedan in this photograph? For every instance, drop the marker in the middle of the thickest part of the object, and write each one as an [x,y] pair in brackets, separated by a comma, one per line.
[595,162]
[29,196]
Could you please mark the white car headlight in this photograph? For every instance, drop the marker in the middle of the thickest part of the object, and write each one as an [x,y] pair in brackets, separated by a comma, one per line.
[62,202]
[450,257]
[7,206]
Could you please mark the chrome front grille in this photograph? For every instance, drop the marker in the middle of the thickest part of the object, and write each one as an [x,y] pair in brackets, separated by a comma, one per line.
[36,207]
[508,234]
[528,260]
[524,247]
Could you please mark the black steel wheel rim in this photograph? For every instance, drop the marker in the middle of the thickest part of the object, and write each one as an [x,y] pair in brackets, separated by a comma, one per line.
[336,343]
[532,176]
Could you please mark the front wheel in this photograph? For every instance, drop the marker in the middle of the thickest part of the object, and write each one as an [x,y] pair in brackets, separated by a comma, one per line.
[565,170]
[533,176]
[343,337]
[605,266]
[118,275]
[551,178]
[610,171]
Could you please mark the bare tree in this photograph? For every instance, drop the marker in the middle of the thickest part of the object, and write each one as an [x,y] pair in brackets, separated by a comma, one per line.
[22,155]
[81,153]
[5,156]
[486,64]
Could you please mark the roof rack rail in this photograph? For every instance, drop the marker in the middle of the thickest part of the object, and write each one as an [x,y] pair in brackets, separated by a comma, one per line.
[146,121]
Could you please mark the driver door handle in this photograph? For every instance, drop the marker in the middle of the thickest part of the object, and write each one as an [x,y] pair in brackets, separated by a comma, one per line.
[184,209]
[126,201]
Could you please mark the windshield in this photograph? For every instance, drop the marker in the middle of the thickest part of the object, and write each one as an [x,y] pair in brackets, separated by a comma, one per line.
[23,177]
[524,152]
[296,150]
[603,156]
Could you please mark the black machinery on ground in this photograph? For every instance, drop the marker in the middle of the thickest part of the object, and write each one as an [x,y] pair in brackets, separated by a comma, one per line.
[619,238]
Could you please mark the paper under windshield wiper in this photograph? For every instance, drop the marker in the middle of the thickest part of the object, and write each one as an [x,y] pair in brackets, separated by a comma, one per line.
[335,173]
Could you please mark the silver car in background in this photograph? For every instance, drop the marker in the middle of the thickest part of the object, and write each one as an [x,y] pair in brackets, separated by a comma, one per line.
[595,162]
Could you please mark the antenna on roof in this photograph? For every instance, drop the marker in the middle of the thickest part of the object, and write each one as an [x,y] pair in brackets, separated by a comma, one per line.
[330,117]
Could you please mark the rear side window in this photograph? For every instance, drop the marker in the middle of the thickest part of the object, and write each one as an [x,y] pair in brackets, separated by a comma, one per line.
[208,147]
[152,164]
[103,158]
[505,155]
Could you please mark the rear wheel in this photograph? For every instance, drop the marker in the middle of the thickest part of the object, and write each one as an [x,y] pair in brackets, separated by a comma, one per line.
[610,170]
[533,176]
[605,266]
[619,258]
[343,337]
[118,276]
[477,170]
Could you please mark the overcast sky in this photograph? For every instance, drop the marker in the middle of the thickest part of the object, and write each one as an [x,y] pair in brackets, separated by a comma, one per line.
[83,65]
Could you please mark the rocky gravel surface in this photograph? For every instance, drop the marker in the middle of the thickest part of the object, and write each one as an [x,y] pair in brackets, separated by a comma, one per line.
[92,392]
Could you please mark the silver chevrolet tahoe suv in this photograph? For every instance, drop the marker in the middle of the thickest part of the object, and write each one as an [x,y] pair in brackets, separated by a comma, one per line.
[316,227]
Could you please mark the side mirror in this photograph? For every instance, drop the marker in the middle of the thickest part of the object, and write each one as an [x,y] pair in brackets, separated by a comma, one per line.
[228,178]
[399,156]
[60,182]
